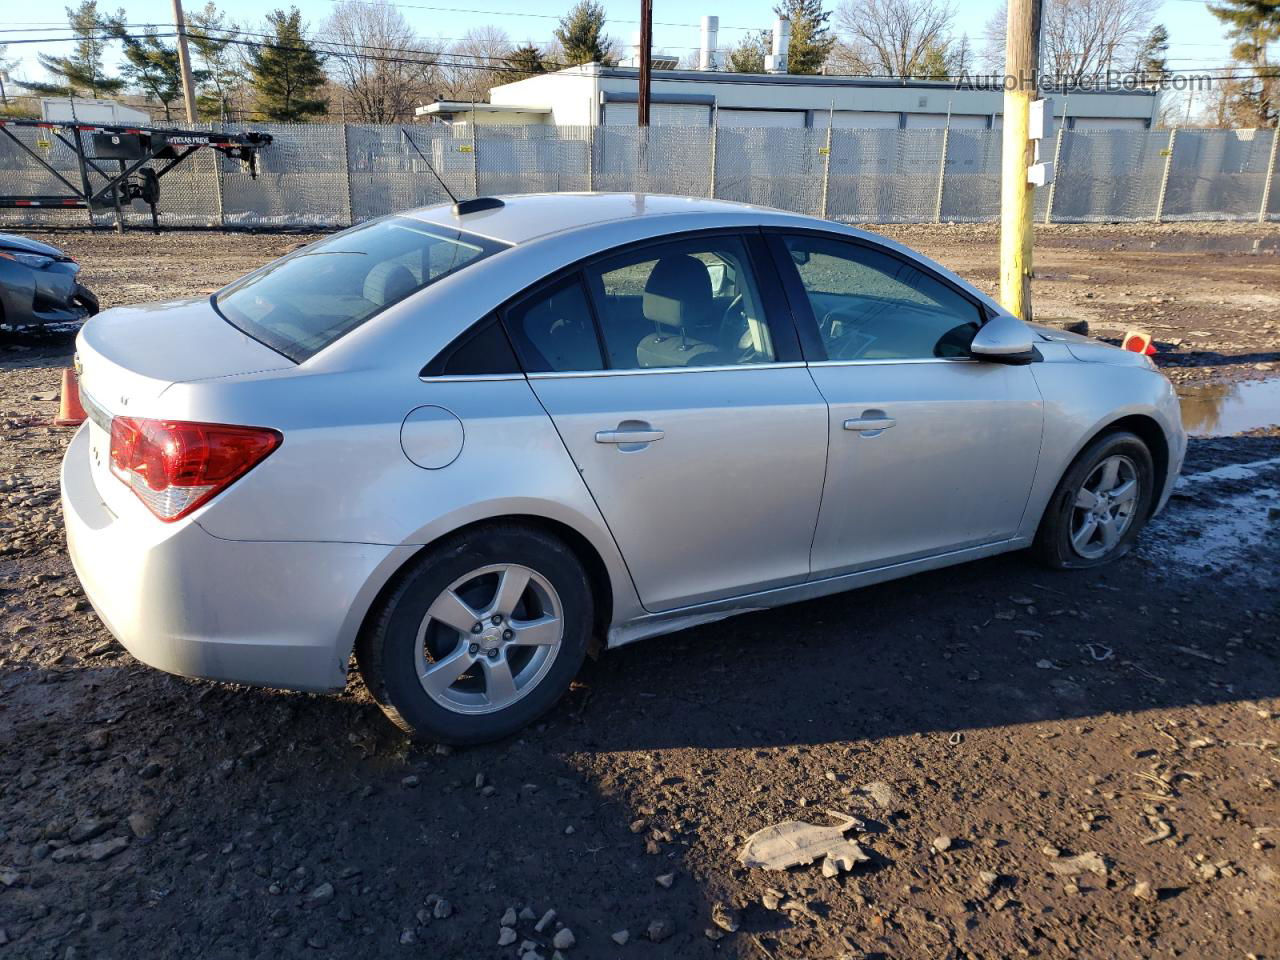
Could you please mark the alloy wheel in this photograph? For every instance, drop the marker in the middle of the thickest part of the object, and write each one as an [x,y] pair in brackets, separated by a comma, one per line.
[489,638]
[1104,507]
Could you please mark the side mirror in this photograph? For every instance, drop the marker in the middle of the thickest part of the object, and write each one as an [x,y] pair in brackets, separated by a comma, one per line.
[1004,339]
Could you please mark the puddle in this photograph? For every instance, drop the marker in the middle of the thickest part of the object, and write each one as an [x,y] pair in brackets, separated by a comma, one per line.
[1222,409]
[1225,537]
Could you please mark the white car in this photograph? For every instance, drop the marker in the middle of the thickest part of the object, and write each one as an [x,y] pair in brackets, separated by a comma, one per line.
[466,441]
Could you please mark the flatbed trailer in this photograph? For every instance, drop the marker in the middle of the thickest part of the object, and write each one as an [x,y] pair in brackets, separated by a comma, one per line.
[131,148]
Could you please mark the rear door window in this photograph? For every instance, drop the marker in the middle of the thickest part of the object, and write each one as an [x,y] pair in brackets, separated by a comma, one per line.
[308,300]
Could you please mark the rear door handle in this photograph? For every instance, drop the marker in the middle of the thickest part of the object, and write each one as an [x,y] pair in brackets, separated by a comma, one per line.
[627,435]
[872,423]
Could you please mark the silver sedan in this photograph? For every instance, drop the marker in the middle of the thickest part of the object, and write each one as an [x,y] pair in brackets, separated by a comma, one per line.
[466,442]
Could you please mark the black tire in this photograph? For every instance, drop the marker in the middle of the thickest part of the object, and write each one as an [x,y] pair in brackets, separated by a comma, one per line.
[387,655]
[1053,543]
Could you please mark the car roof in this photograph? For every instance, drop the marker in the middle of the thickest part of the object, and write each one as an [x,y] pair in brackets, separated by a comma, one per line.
[526,217]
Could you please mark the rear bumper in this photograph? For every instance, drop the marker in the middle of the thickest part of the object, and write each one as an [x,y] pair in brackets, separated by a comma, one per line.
[276,614]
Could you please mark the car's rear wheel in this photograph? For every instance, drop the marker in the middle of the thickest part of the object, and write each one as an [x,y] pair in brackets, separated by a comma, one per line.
[480,636]
[1100,505]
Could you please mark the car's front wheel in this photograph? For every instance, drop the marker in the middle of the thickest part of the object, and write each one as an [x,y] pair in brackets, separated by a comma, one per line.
[480,636]
[1100,506]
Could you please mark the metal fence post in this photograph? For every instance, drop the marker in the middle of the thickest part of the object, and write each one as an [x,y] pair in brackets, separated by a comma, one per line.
[475,155]
[346,175]
[826,167]
[591,158]
[942,167]
[1164,179]
[715,137]
[1057,170]
[217,182]
[1270,178]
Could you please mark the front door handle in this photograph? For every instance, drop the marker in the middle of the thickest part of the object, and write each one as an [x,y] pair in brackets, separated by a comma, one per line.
[630,432]
[872,423]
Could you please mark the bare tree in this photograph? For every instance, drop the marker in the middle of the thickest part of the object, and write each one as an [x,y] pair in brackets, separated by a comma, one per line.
[377,59]
[895,37]
[1080,39]
[478,61]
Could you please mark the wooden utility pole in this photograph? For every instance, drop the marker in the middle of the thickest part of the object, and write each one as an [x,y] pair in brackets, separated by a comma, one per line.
[1022,46]
[184,62]
[646,61]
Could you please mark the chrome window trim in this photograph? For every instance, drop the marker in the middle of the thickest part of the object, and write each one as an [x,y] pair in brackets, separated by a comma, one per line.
[648,371]
[887,360]
[472,377]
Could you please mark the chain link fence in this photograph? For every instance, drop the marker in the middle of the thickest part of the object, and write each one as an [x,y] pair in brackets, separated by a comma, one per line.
[320,176]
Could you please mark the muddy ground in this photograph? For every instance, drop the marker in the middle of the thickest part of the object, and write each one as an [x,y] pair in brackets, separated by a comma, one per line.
[1047,764]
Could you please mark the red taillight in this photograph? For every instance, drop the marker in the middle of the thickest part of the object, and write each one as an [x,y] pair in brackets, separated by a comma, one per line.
[174,466]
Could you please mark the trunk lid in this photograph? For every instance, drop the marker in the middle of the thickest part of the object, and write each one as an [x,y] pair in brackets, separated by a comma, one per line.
[131,354]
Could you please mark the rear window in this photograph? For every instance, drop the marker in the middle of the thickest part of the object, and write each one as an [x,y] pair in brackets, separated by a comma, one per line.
[313,297]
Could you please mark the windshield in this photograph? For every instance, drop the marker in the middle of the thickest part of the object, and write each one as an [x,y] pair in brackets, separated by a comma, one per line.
[320,293]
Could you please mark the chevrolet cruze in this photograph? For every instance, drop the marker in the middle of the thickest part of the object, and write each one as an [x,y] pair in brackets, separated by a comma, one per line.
[467,441]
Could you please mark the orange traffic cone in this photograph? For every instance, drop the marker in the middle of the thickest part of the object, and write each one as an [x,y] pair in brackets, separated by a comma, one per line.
[70,412]
[1139,342]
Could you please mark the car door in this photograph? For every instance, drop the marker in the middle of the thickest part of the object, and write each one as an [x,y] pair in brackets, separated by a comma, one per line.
[930,450]
[681,395]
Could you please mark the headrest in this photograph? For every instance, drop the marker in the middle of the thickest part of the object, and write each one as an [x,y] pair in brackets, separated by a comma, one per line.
[678,292]
[388,282]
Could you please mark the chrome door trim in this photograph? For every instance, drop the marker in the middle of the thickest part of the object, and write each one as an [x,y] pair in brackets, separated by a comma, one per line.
[649,371]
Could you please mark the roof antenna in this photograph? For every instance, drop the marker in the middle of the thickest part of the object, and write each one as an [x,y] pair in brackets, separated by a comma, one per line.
[459,206]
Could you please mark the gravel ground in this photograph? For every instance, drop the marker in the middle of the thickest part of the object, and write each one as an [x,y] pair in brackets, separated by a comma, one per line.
[1045,764]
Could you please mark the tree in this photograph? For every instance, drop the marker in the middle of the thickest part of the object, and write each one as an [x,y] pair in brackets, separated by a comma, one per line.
[477,62]
[1152,60]
[82,72]
[215,52]
[1252,25]
[811,37]
[379,62]
[1080,39]
[286,71]
[151,66]
[748,56]
[899,38]
[526,60]
[581,34]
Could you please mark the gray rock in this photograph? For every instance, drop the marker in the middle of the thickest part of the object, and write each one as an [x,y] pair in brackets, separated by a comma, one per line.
[526,913]
[142,825]
[660,929]
[442,910]
[665,880]
[104,849]
[509,918]
[410,781]
[564,939]
[545,922]
[942,844]
[881,794]
[320,895]
[88,830]
[620,937]
[151,771]
[507,936]
[726,918]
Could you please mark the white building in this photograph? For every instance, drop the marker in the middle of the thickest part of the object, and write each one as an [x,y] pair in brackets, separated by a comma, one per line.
[595,94]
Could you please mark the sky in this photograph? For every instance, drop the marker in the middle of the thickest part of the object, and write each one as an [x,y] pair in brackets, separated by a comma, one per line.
[1197,40]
